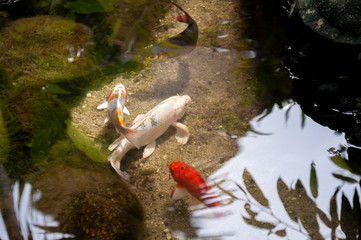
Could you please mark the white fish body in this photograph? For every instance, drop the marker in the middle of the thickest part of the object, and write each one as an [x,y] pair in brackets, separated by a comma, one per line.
[148,127]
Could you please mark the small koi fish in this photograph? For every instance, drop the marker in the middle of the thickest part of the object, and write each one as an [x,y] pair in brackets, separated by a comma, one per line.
[148,127]
[180,44]
[115,103]
[189,179]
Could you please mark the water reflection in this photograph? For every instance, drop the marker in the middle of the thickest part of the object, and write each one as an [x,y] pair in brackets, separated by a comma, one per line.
[33,223]
[269,192]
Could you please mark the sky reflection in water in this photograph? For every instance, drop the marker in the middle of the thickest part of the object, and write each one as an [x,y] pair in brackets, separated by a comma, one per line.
[286,151]
[30,219]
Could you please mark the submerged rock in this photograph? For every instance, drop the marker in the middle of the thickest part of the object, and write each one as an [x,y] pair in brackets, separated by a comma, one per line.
[90,204]
[39,50]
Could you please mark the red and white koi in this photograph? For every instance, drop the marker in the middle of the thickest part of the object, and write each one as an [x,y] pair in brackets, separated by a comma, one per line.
[191,180]
[115,103]
[148,127]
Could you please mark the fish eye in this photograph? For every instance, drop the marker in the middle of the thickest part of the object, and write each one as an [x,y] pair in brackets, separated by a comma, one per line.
[181,168]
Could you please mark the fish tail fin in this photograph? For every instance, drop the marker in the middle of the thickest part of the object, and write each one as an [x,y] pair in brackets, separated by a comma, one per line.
[130,134]
[122,174]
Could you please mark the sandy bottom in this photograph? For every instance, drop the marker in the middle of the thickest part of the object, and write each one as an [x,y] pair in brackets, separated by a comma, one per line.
[219,112]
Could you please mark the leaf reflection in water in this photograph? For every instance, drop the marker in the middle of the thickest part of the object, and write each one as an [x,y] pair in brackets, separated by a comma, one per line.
[267,191]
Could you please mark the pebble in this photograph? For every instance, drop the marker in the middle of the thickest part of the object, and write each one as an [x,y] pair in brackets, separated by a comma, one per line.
[169,236]
[222,133]
[88,94]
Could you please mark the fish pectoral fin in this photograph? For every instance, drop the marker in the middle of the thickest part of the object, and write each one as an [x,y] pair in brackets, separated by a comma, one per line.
[182,134]
[115,143]
[106,120]
[179,192]
[126,111]
[149,149]
[104,105]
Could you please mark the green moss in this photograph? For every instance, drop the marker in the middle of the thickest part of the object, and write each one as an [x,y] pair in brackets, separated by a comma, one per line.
[47,118]
[84,144]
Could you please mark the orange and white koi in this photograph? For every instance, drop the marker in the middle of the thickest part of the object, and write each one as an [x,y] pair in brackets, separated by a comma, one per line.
[115,103]
[180,44]
[148,127]
[191,180]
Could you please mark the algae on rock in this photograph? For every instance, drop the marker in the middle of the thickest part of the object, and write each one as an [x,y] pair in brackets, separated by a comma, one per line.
[39,50]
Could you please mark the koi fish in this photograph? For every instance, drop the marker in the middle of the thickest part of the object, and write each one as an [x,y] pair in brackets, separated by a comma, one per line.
[115,103]
[189,179]
[180,44]
[148,127]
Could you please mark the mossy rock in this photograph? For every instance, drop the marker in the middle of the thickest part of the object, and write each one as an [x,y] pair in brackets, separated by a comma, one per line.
[39,50]
[90,203]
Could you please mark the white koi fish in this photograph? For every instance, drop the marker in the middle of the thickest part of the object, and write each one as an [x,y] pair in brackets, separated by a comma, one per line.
[148,127]
[115,103]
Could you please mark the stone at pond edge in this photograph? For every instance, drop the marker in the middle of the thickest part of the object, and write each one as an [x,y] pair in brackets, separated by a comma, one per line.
[337,20]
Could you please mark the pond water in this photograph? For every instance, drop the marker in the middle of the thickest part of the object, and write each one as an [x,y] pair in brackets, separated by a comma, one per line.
[277,175]
[282,145]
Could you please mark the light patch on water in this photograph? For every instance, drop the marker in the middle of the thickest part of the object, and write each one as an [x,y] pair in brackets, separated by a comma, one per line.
[286,150]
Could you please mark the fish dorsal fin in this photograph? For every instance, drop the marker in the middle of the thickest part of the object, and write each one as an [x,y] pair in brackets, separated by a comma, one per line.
[104,105]
[179,192]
